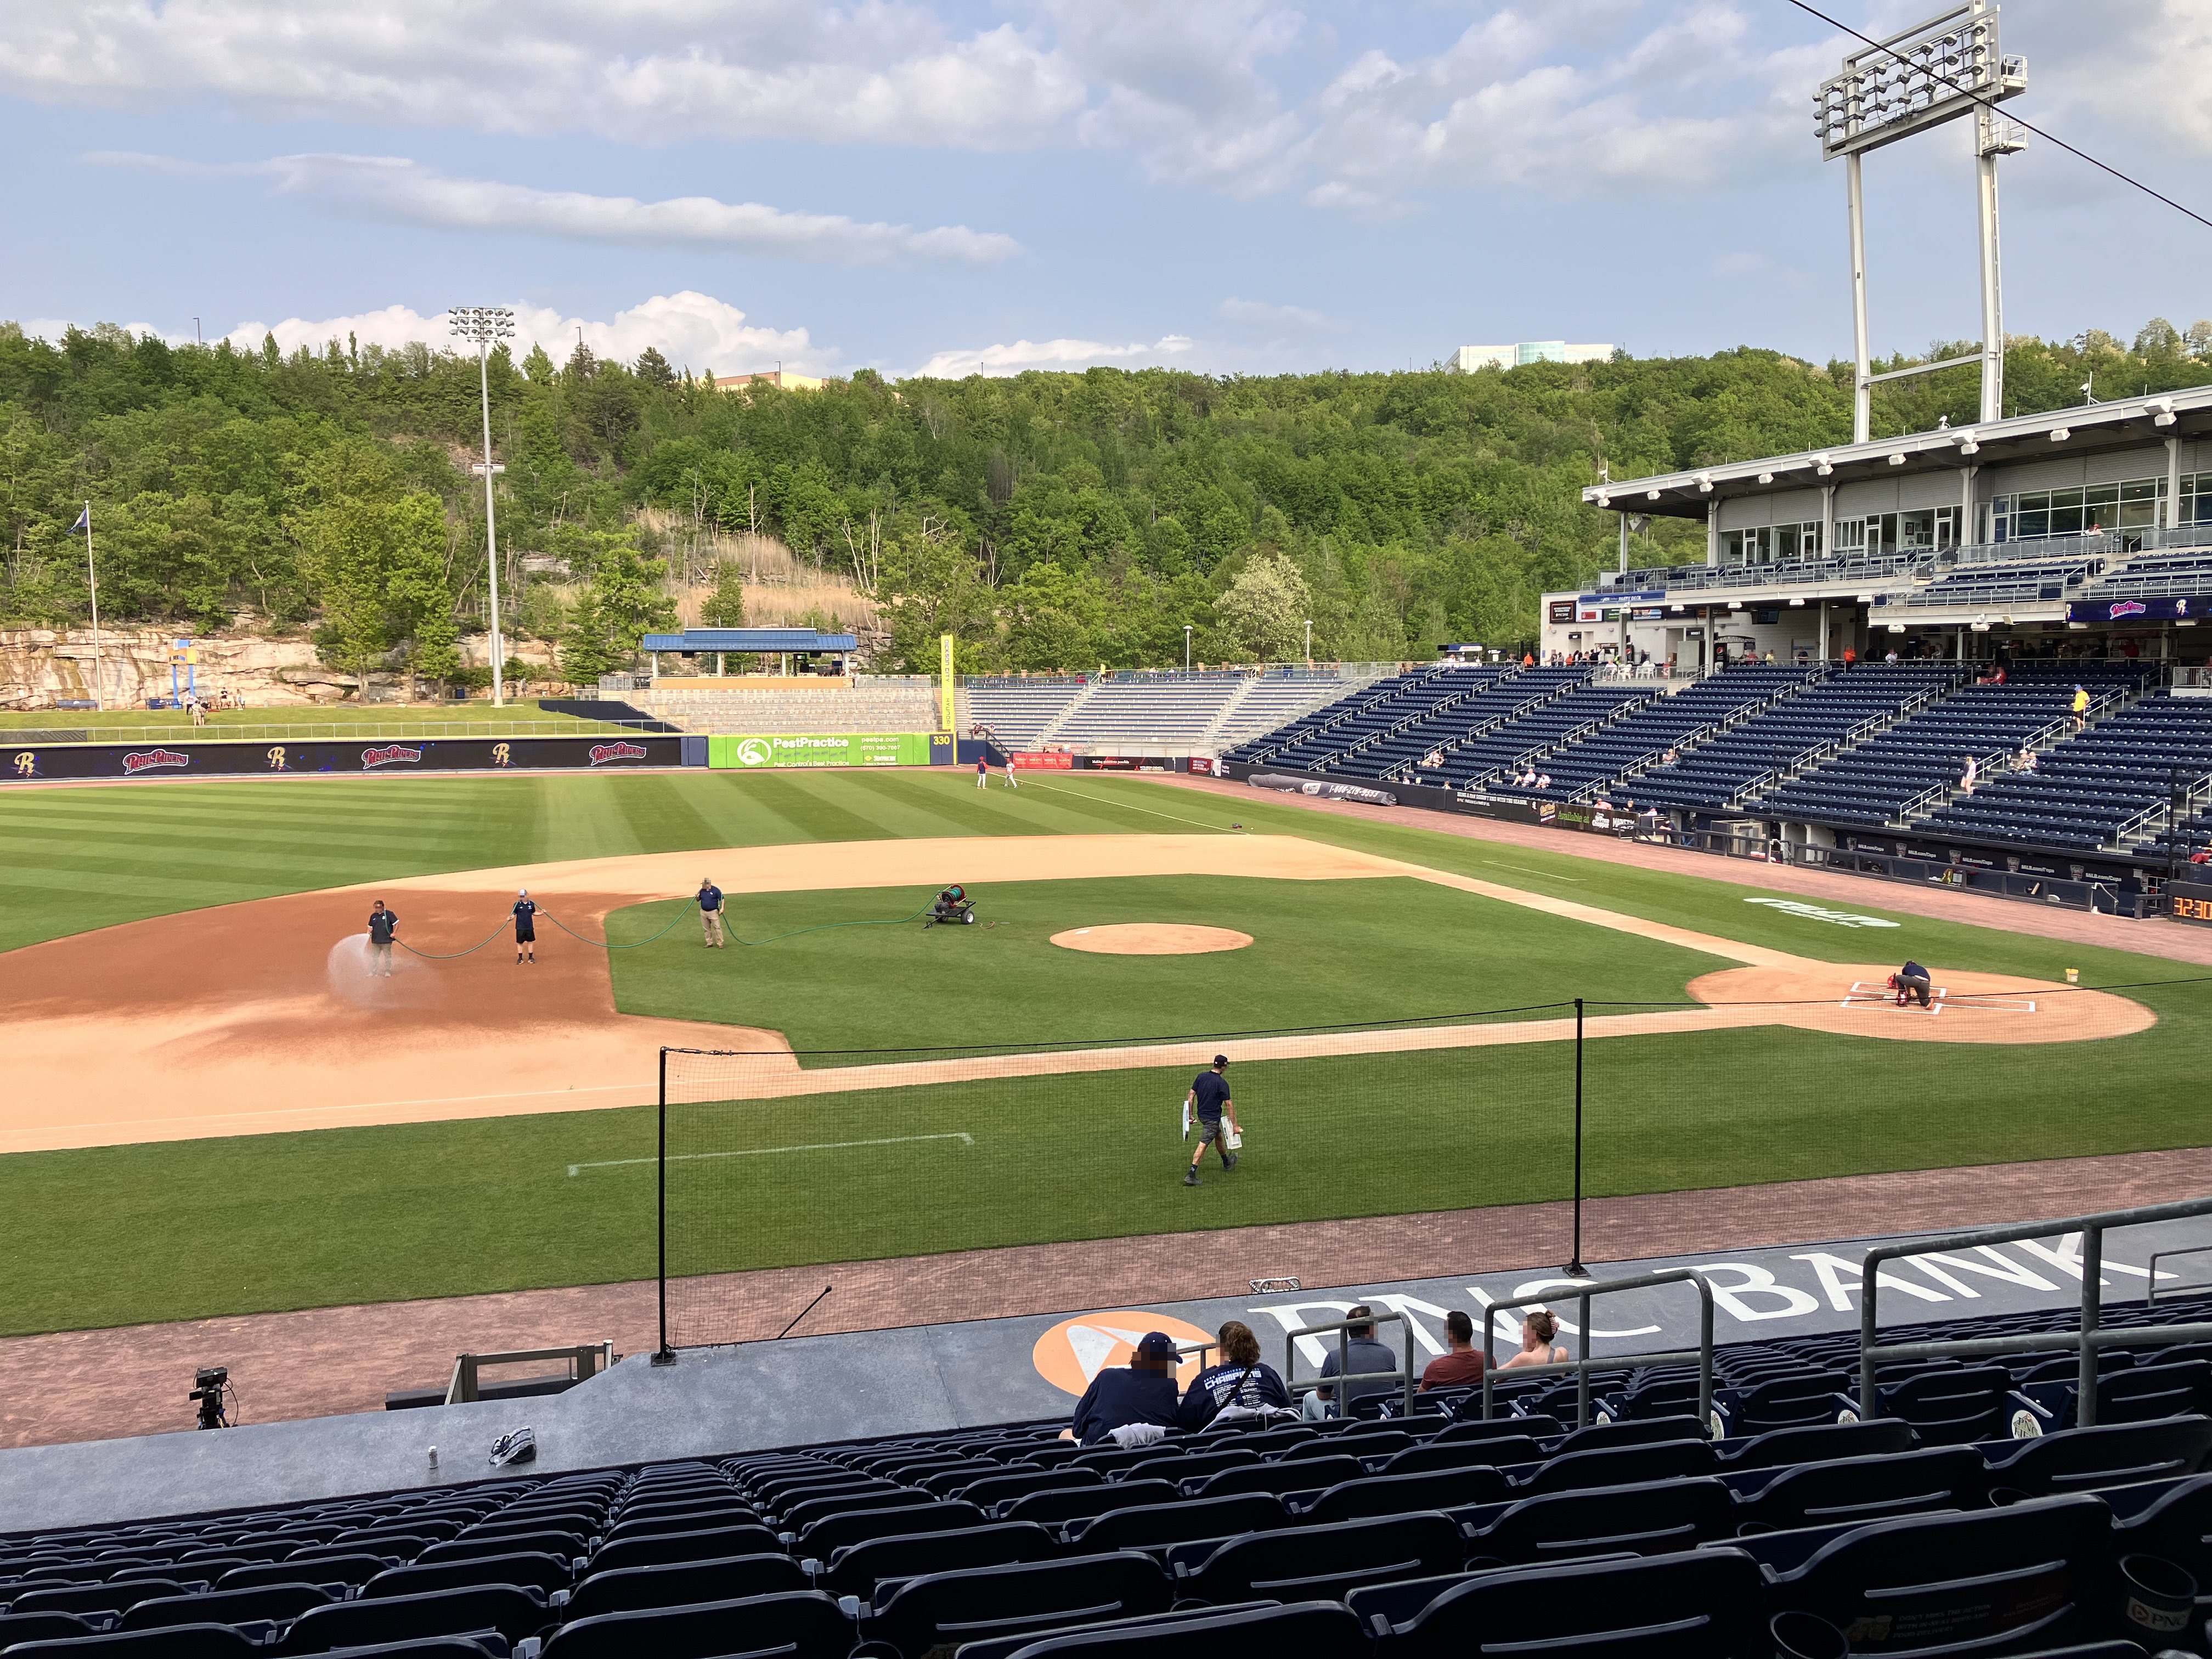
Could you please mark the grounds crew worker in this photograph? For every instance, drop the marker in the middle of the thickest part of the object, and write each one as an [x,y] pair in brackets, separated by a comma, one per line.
[525,928]
[710,913]
[382,925]
[1209,1099]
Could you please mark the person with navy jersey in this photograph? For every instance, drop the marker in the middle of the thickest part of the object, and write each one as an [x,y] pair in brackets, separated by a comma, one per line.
[1208,1100]
[383,924]
[526,928]
[1242,1379]
[1912,983]
[710,913]
[1142,1392]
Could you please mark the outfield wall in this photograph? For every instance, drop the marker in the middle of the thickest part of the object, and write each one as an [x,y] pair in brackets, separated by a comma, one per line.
[162,760]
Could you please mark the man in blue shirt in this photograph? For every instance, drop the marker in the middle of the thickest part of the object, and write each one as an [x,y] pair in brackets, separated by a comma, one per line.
[1143,1391]
[710,913]
[382,925]
[1912,983]
[1208,1101]
[525,928]
[1361,1355]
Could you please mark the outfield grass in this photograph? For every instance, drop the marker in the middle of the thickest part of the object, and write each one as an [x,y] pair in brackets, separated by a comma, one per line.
[1323,953]
[117,1235]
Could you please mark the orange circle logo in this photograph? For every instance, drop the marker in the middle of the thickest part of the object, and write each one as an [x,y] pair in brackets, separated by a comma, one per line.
[1073,1352]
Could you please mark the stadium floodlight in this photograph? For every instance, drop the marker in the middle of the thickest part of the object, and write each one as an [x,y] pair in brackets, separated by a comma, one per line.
[482,325]
[1936,71]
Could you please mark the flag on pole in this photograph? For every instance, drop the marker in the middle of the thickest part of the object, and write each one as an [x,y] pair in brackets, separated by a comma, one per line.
[83,522]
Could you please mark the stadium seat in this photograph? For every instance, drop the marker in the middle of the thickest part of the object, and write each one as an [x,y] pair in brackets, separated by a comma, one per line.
[1191,1465]
[665,1547]
[1307,1475]
[1617,1467]
[2133,1394]
[19,1627]
[544,1573]
[1814,1443]
[512,1612]
[567,1545]
[1871,1489]
[1948,1406]
[1992,1582]
[2110,1454]
[834,1532]
[854,1570]
[805,1625]
[1704,1604]
[1402,1494]
[173,1642]
[632,1589]
[1010,1484]
[1642,1520]
[117,1596]
[949,1608]
[1442,1453]
[1306,1562]
[1303,1630]
[275,1603]
[1080,1503]
[1171,1523]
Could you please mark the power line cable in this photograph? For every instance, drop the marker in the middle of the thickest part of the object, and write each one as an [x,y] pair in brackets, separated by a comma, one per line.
[1991,103]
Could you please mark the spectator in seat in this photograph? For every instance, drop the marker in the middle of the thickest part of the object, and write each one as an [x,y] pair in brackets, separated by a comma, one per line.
[1850,655]
[2202,855]
[2027,761]
[1143,1391]
[1362,1355]
[1669,758]
[1461,1364]
[1543,779]
[1242,1378]
[1538,1327]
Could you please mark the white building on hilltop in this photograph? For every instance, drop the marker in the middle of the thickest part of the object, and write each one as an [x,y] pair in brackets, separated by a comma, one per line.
[1468,359]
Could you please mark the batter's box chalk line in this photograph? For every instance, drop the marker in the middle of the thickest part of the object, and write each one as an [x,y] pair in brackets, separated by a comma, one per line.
[1866,994]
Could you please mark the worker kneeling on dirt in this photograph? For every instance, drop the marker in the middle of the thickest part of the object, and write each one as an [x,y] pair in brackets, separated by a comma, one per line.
[1911,983]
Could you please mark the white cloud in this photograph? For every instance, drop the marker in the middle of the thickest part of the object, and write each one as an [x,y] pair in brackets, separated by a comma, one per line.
[1263,314]
[693,331]
[651,71]
[391,186]
[1022,355]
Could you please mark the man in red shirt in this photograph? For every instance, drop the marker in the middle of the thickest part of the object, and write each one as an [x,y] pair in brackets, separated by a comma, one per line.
[1462,1364]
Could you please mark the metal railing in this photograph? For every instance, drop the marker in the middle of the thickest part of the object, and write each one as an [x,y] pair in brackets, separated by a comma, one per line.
[1344,1327]
[585,1360]
[1581,1367]
[2088,1342]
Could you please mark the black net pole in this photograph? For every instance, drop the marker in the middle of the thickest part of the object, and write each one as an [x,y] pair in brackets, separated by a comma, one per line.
[663,1355]
[1574,1267]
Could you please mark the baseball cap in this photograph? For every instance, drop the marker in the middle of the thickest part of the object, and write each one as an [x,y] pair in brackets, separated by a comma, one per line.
[522,892]
[1221,1060]
[1156,1345]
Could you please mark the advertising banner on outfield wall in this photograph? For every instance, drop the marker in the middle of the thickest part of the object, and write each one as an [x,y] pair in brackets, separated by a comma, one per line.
[117,760]
[1052,762]
[780,748]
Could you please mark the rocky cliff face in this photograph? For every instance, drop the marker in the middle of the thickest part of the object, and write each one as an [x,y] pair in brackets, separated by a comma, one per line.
[45,667]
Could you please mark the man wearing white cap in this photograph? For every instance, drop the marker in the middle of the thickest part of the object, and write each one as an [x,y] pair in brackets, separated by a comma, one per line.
[526,928]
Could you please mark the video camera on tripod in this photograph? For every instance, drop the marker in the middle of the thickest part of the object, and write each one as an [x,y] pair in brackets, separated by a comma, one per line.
[212,1392]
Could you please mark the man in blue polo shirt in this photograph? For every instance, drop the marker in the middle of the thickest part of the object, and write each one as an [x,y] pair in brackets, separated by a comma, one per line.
[710,913]
[526,928]
[383,924]
[1208,1100]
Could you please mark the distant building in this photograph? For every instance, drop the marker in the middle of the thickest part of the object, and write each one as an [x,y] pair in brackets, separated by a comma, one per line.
[1468,359]
[775,377]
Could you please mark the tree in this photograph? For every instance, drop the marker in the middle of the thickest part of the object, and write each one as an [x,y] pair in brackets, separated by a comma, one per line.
[1261,616]
[655,370]
[418,546]
[725,606]
[620,601]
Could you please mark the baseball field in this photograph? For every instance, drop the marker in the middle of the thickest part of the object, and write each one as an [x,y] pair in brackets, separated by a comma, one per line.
[213,1108]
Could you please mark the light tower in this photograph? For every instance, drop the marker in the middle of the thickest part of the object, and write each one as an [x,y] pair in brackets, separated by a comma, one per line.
[484,325]
[1918,78]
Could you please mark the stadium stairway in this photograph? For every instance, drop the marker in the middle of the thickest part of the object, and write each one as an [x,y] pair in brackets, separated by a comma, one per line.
[1307,741]
[1792,1521]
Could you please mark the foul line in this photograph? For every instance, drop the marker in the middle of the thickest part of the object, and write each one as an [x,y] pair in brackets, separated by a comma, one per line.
[1101,800]
[961,1135]
[1546,874]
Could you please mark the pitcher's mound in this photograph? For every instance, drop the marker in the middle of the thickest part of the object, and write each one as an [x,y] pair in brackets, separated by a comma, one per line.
[1151,938]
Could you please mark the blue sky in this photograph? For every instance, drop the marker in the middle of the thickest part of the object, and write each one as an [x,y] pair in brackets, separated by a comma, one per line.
[1234,185]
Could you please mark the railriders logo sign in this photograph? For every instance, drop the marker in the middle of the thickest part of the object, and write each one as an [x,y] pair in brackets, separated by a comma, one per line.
[389,755]
[146,760]
[604,752]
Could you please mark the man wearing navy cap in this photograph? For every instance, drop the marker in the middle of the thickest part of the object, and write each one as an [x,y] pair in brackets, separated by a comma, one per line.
[1143,1391]
[1209,1100]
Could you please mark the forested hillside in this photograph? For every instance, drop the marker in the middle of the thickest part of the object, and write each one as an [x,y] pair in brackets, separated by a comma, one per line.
[1050,520]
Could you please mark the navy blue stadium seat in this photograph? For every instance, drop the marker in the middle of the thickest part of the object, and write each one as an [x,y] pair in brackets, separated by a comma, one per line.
[805,1625]
[1949,1405]
[1308,1562]
[1010,1484]
[1641,1520]
[2108,1454]
[1871,1488]
[512,1612]
[854,1570]
[1170,1524]
[17,1628]
[116,1596]
[1306,1474]
[1817,1442]
[173,1642]
[1302,1630]
[834,1532]
[1402,1494]
[1991,1582]
[629,1589]
[1703,1604]
[1443,1453]
[947,1608]
[1618,1466]
[276,1604]
[665,1547]
[1080,1503]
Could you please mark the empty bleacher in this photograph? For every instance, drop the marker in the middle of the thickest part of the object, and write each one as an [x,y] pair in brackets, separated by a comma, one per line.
[870,705]
[1271,700]
[1323,738]
[2096,789]
[1828,714]
[1589,765]
[1915,764]
[1165,712]
[1578,710]
[1441,1533]
[2019,579]
[1016,712]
